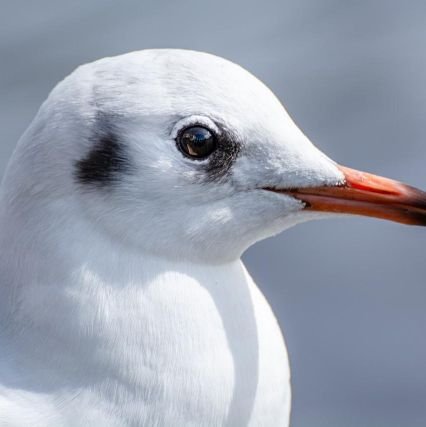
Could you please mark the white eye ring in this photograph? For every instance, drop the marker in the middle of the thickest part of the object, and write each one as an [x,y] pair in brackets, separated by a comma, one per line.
[195,120]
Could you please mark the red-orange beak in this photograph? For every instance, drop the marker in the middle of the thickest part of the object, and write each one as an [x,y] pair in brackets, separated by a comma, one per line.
[369,195]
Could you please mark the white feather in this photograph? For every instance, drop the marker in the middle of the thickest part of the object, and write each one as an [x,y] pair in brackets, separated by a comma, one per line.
[130,307]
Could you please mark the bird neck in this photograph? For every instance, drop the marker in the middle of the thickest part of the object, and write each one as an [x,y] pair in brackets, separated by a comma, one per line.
[87,292]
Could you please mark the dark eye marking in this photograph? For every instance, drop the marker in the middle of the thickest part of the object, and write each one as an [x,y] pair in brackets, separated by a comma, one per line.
[105,162]
[221,160]
[216,147]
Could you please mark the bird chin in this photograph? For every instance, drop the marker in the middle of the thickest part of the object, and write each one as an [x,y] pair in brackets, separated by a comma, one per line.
[283,223]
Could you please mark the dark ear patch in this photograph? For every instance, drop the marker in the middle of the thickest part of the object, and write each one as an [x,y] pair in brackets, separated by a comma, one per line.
[105,162]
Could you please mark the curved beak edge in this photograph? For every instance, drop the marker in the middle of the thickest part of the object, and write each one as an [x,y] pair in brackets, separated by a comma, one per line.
[365,194]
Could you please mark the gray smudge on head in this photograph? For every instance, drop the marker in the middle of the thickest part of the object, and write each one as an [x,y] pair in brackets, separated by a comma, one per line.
[106,161]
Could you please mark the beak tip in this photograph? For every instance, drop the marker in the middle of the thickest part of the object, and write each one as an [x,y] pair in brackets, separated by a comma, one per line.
[365,194]
[417,218]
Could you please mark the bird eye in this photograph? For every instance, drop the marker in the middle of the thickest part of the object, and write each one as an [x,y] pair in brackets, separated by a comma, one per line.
[196,142]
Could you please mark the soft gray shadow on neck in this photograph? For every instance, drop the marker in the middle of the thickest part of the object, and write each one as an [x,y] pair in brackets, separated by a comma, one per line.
[244,346]
[239,323]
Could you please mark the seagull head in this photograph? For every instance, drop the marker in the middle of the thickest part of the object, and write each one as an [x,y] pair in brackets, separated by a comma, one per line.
[186,155]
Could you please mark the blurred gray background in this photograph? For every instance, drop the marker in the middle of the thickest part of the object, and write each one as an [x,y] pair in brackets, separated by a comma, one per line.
[350,294]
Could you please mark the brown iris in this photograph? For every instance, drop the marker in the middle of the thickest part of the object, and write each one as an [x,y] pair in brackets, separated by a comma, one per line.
[197,142]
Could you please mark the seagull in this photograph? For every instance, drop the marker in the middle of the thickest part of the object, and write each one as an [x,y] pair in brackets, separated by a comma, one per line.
[124,212]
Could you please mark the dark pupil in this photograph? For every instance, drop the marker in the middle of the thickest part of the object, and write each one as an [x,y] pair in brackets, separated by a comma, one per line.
[197,142]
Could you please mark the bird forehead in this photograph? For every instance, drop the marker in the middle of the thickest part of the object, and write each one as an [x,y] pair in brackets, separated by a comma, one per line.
[181,82]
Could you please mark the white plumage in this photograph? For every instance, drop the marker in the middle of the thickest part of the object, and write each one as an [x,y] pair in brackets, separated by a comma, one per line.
[123,301]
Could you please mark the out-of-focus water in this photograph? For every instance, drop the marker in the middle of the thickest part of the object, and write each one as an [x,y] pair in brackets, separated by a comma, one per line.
[350,293]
